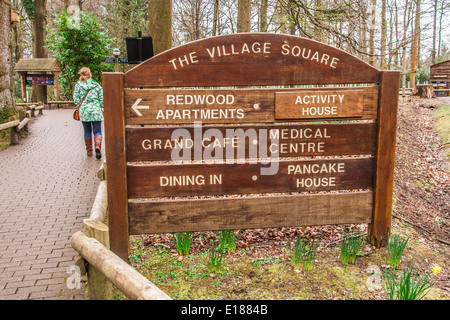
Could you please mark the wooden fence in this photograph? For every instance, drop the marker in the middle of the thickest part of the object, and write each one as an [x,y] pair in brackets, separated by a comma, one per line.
[105,268]
[16,125]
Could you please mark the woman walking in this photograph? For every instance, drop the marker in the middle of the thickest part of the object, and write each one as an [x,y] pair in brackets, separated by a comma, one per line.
[88,92]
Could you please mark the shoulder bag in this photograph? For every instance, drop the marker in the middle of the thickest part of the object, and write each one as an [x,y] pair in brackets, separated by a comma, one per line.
[76,113]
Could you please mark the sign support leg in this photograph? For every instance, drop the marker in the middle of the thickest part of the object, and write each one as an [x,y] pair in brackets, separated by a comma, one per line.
[113,85]
[384,171]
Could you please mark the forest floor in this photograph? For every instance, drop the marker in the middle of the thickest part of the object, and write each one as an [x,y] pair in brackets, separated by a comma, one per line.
[260,266]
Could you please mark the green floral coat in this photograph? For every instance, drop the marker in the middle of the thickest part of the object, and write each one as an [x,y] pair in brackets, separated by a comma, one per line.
[91,110]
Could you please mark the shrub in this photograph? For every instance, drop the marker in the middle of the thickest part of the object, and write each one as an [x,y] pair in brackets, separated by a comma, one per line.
[76,45]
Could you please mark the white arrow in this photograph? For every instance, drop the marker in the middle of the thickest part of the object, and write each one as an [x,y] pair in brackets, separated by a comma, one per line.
[136,107]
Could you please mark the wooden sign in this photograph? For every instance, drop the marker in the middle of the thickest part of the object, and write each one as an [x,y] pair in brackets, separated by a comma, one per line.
[149,181]
[221,142]
[189,149]
[159,106]
[319,104]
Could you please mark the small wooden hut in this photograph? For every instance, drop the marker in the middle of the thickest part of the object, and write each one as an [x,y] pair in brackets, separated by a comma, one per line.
[440,78]
[38,71]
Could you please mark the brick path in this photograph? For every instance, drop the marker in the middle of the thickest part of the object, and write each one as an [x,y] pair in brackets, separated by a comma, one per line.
[47,187]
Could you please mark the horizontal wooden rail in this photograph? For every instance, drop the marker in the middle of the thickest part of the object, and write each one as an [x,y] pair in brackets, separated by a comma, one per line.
[60,102]
[99,206]
[31,109]
[134,285]
[9,124]
[104,267]
[16,125]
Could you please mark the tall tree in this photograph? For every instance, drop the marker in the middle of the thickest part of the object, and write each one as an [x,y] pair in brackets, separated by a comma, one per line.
[383,35]
[263,15]
[216,17]
[373,8]
[36,11]
[6,57]
[433,49]
[318,16]
[160,24]
[415,45]
[243,18]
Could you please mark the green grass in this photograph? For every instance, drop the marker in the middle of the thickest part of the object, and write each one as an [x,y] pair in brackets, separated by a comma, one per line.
[303,253]
[350,247]
[410,286]
[227,240]
[441,119]
[215,258]
[396,245]
[182,242]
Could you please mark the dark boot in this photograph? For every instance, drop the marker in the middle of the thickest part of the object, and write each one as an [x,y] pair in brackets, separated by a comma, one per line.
[88,142]
[98,146]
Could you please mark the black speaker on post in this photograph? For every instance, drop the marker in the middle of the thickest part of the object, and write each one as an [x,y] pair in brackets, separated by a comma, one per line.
[139,48]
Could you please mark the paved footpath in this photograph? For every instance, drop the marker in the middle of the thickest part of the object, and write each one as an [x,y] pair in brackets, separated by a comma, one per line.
[47,188]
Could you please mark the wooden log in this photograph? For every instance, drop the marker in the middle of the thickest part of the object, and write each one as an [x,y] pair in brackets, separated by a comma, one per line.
[100,204]
[60,102]
[99,287]
[30,109]
[9,124]
[23,123]
[128,280]
[13,136]
[425,90]
[41,109]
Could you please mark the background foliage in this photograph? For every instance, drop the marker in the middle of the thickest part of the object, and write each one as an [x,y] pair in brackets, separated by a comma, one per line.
[76,44]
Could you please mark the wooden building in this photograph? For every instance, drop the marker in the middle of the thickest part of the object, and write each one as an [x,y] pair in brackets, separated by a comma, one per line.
[440,78]
[38,71]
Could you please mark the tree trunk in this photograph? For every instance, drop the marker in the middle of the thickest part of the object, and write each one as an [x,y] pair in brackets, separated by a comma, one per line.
[243,20]
[17,50]
[440,28]
[433,49]
[318,16]
[372,33]
[160,24]
[6,57]
[383,35]
[414,47]
[216,17]
[263,15]
[39,93]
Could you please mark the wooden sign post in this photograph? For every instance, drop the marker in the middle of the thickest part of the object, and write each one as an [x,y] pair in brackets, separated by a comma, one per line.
[189,149]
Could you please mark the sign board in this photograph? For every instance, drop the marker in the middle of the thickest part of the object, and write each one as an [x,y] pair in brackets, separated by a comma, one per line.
[287,132]
[40,80]
[113,60]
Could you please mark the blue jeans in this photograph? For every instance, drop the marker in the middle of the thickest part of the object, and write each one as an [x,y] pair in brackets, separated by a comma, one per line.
[89,127]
